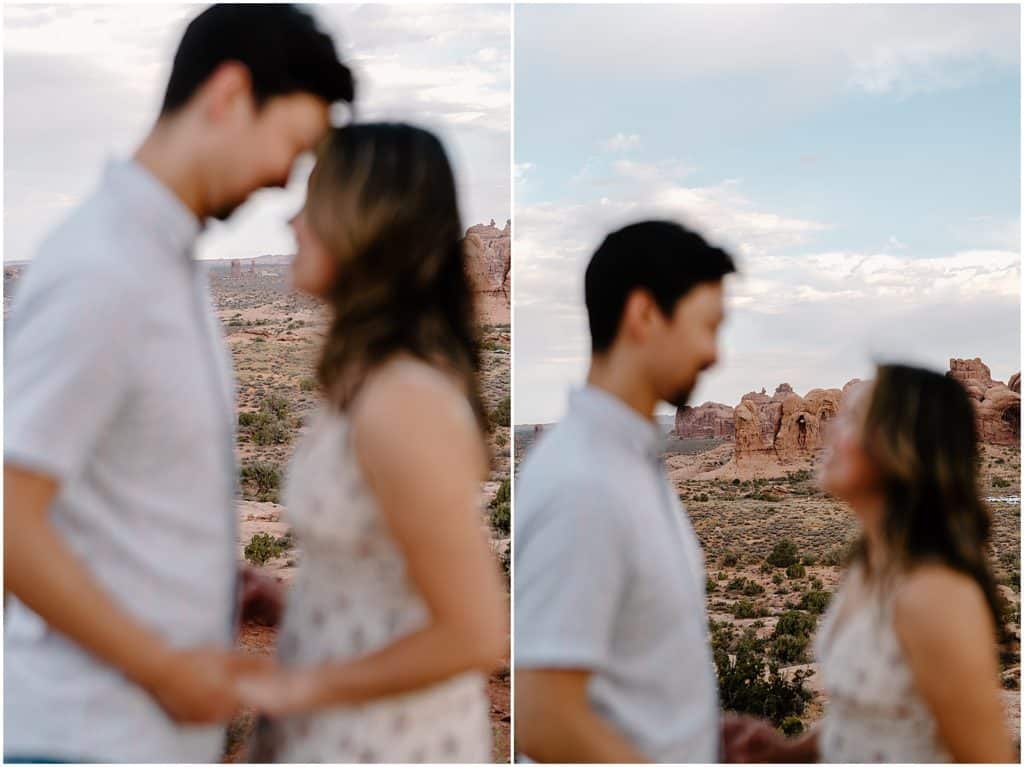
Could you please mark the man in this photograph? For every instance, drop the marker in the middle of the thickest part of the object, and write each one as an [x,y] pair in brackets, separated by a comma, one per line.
[119,526]
[612,651]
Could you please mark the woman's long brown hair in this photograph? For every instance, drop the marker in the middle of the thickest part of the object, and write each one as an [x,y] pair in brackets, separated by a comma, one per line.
[382,199]
[921,433]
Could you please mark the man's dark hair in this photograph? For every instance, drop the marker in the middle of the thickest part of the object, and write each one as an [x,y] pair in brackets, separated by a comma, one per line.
[279,44]
[661,257]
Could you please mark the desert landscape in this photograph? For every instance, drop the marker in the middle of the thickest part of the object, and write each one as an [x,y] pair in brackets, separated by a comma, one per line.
[775,545]
[274,335]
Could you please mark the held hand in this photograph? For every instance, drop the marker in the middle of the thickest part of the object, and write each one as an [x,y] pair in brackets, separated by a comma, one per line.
[281,692]
[262,598]
[746,739]
[196,686]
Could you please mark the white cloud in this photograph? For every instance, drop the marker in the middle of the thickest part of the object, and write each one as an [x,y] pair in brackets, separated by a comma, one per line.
[872,48]
[621,142]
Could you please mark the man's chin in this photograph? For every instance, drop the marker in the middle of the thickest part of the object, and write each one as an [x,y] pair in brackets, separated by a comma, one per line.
[681,398]
[224,213]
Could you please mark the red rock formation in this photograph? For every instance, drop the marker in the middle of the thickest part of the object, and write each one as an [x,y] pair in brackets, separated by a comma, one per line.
[710,420]
[236,269]
[786,427]
[997,405]
[489,257]
[973,374]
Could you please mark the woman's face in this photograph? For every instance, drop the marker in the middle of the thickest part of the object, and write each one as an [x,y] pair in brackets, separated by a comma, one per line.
[847,472]
[314,268]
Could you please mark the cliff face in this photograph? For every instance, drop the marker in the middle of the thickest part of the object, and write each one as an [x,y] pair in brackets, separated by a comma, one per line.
[489,257]
[710,420]
[996,405]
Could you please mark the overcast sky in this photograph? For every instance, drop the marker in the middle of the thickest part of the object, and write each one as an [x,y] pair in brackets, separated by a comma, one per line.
[84,82]
[861,162]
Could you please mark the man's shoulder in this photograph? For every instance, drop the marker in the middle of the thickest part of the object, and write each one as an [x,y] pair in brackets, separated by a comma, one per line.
[91,249]
[567,470]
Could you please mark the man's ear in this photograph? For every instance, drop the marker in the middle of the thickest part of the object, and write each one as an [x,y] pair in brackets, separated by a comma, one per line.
[226,92]
[638,315]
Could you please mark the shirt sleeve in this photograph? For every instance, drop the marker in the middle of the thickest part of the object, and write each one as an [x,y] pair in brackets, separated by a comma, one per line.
[571,571]
[67,368]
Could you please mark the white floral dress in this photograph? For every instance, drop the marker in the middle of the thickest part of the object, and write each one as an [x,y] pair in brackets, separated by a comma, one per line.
[351,596]
[874,711]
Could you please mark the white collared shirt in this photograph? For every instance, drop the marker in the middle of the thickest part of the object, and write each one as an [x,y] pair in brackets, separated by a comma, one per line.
[117,383]
[609,576]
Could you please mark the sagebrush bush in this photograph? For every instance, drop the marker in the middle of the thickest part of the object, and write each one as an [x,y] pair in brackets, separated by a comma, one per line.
[750,683]
[263,474]
[263,547]
[796,570]
[501,415]
[795,623]
[783,554]
[789,649]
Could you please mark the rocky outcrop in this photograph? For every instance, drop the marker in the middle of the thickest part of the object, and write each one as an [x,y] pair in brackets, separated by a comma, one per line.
[997,405]
[785,427]
[489,257]
[712,420]
[973,374]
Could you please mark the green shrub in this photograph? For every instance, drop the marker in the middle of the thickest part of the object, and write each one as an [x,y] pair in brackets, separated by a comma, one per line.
[777,579]
[794,623]
[501,507]
[247,419]
[501,415]
[306,383]
[263,547]
[736,584]
[744,608]
[263,474]
[791,725]
[268,431]
[815,601]
[789,649]
[753,589]
[783,554]
[501,518]
[748,682]
[730,559]
[275,405]
[999,482]
[796,570]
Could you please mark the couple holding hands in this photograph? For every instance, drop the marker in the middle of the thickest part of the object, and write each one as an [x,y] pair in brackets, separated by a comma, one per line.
[123,592]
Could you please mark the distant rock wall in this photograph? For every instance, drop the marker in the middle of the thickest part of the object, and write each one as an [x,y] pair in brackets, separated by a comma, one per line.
[997,405]
[787,428]
[489,257]
[712,420]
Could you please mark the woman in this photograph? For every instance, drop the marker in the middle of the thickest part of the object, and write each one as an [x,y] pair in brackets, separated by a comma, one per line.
[398,609]
[907,650]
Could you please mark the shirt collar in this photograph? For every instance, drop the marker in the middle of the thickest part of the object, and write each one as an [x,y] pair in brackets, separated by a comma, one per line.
[153,206]
[617,420]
